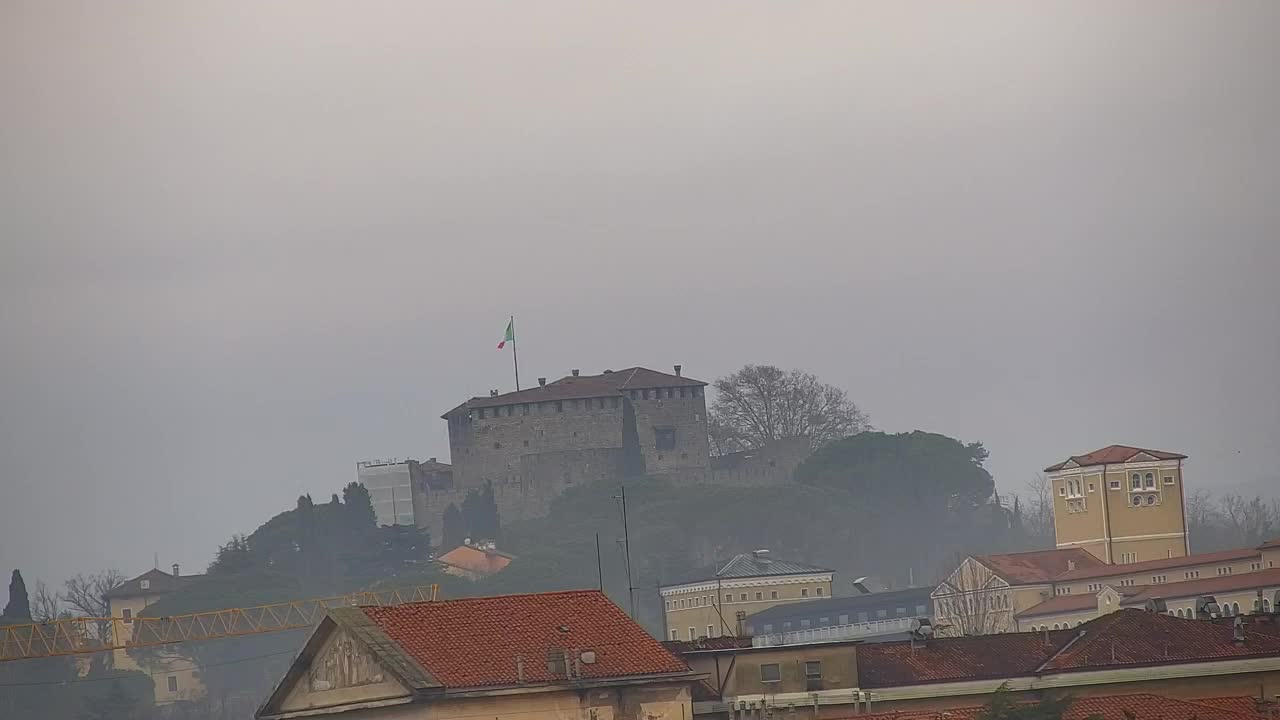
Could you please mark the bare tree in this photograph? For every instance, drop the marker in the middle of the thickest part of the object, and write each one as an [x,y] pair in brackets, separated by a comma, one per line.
[1038,515]
[1251,521]
[762,403]
[87,594]
[46,606]
[972,601]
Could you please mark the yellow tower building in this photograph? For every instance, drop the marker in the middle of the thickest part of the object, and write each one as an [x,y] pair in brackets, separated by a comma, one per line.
[1122,504]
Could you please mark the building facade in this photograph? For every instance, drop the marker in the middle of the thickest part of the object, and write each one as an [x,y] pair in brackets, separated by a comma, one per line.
[173,675]
[717,604]
[391,487]
[1123,504]
[868,617]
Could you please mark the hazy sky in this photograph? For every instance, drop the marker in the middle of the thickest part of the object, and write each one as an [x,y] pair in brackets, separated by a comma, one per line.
[244,245]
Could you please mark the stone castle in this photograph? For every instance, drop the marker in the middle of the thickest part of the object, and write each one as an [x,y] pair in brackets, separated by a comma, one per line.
[532,444]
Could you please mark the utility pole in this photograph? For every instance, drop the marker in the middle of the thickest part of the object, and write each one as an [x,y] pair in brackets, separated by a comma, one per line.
[599,567]
[626,545]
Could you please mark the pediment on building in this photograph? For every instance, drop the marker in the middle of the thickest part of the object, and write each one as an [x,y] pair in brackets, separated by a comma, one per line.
[1070,464]
[1142,457]
[344,664]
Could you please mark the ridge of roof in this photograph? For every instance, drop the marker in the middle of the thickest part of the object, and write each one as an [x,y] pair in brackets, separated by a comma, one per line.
[1269,577]
[1089,573]
[1114,455]
[744,565]
[1076,603]
[1146,706]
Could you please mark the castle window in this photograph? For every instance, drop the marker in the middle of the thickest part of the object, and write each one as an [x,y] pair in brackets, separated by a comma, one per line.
[664,438]
[1151,481]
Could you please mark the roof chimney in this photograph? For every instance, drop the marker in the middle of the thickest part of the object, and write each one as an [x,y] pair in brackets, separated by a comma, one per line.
[761,555]
[431,459]
[575,372]
[542,382]
[677,367]
[175,569]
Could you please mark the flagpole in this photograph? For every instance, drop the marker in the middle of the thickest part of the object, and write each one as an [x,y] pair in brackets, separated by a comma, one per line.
[515,360]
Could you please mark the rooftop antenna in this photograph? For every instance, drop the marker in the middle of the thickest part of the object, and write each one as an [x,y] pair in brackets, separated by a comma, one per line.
[155,562]
[626,544]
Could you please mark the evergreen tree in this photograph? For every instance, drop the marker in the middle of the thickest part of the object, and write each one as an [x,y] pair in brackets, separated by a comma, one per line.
[480,513]
[359,506]
[1004,706]
[19,607]
[455,529]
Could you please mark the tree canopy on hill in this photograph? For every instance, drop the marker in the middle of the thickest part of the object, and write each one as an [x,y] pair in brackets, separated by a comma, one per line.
[921,468]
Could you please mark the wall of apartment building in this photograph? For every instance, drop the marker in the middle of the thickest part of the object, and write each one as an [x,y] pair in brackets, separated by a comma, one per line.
[1239,602]
[703,605]
[486,444]
[740,671]
[186,679]
[1270,557]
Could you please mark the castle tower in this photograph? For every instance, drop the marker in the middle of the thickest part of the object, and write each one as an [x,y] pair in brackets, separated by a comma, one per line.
[1122,504]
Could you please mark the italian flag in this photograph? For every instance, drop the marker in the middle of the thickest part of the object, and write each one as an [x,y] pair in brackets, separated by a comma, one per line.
[509,335]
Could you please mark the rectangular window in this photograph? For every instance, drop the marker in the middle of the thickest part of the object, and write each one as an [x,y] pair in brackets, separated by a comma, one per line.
[1090,487]
[728,598]
[668,606]
[768,628]
[862,617]
[817,591]
[804,623]
[127,614]
[844,619]
[1168,479]
[664,438]
[921,610]
[759,596]
[742,597]
[1256,566]
[711,631]
[693,633]
[675,634]
[813,675]
[824,621]
[173,683]
[770,673]
[144,584]
[804,592]
[882,613]
[1062,491]
[901,611]
[1115,484]
[773,594]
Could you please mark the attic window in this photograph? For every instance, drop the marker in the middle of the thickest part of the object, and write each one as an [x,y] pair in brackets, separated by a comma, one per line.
[1168,479]
[144,584]
[1115,484]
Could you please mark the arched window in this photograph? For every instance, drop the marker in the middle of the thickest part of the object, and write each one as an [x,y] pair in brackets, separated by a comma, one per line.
[1135,482]
[1179,612]
[1266,605]
[1151,481]
[1226,609]
[1235,608]
[1056,626]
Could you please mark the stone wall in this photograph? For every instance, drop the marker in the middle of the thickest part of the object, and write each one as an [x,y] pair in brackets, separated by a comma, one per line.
[680,411]
[487,444]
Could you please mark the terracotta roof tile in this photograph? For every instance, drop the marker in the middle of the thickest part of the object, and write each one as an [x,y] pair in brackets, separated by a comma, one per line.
[724,642]
[1126,638]
[1040,566]
[475,642]
[1261,579]
[1142,706]
[1114,455]
[476,560]
[1088,573]
[890,664]
[1134,637]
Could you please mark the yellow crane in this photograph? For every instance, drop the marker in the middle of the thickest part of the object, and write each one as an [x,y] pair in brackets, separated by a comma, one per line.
[74,636]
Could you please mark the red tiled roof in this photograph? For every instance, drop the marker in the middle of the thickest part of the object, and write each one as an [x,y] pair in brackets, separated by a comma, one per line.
[889,664]
[1270,544]
[1125,638]
[481,562]
[1088,573]
[1040,566]
[1114,455]
[586,386]
[474,642]
[1074,603]
[1268,578]
[1142,706]
[1132,637]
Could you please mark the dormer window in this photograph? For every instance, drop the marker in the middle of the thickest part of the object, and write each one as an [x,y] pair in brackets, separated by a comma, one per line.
[144,584]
